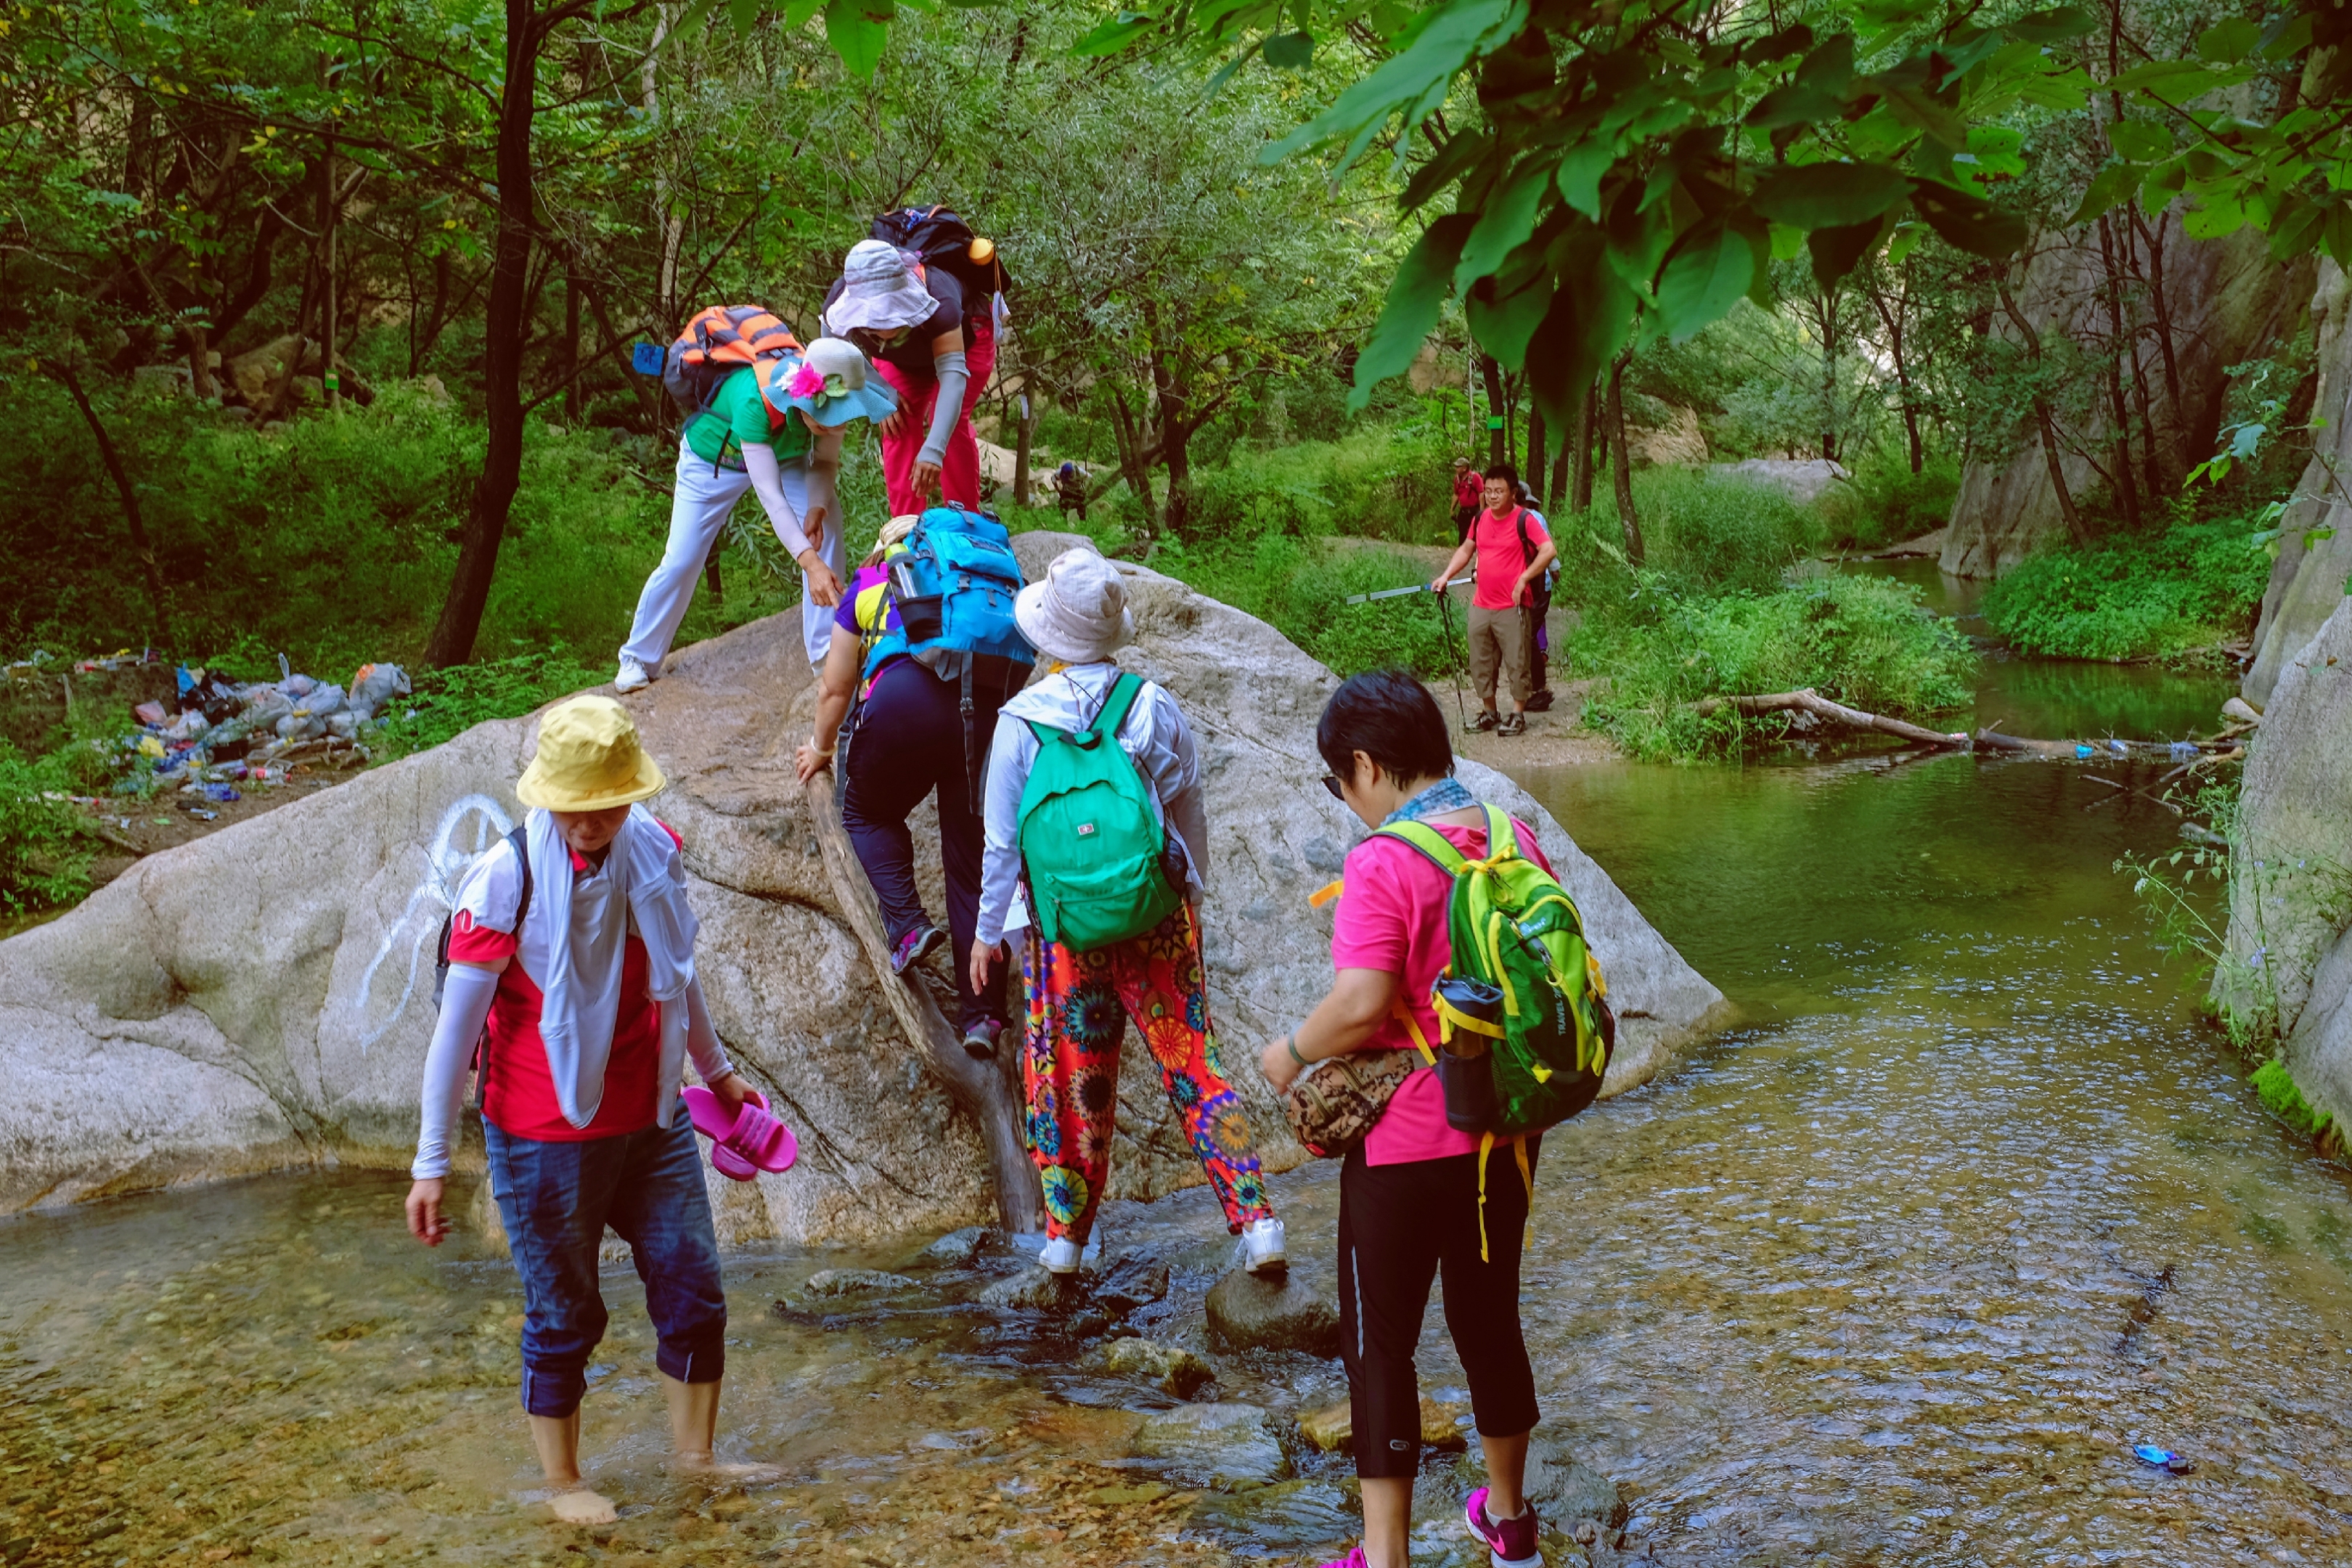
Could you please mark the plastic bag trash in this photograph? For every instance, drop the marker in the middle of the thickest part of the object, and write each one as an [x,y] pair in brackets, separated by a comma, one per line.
[149,713]
[343,725]
[201,814]
[150,746]
[2081,749]
[222,793]
[2184,751]
[297,685]
[325,698]
[2118,748]
[300,726]
[2164,1458]
[375,684]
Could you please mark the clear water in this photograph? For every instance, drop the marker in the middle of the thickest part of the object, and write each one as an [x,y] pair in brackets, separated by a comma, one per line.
[1895,1271]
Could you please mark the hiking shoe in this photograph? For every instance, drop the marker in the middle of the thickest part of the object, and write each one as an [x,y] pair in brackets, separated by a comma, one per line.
[1516,724]
[633,677]
[1262,1246]
[1355,1559]
[1061,1256]
[1541,701]
[922,940]
[979,1038]
[1486,720]
[1512,1542]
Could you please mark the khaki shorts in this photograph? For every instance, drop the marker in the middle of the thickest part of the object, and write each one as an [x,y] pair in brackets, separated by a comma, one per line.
[1498,643]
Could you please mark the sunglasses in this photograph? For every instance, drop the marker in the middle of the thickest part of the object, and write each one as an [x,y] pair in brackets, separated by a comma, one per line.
[1331,783]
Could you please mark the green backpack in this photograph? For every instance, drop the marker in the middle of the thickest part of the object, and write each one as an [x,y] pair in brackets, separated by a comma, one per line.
[1091,840]
[1522,978]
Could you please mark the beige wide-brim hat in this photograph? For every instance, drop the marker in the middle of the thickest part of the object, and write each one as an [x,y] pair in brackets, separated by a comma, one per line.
[588,760]
[1078,614]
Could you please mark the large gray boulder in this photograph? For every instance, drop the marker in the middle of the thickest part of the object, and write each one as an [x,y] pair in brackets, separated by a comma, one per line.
[260,998]
[2288,967]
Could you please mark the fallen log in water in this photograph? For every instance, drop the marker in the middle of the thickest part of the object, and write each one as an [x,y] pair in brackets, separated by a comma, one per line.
[2224,747]
[1810,701]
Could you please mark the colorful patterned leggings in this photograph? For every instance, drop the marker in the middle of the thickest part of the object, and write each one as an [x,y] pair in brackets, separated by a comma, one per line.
[1080,1003]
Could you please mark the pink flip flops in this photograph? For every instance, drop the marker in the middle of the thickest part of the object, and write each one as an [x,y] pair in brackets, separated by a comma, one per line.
[742,1143]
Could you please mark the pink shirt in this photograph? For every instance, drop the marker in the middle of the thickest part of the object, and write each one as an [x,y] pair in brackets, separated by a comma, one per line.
[1500,558]
[1392,917]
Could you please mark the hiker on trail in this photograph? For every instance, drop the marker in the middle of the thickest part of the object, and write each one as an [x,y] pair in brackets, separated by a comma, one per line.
[1070,489]
[937,348]
[1465,497]
[911,739]
[773,428]
[1106,847]
[1539,609]
[1512,547]
[572,946]
[1410,1191]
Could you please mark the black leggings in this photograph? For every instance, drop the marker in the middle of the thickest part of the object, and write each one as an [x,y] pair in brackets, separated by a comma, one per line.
[909,741]
[1397,1224]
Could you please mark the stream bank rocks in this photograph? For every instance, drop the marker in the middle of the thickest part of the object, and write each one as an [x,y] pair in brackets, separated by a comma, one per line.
[261,998]
[1220,1443]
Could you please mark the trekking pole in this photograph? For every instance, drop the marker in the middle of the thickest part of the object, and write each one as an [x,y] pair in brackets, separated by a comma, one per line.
[1445,614]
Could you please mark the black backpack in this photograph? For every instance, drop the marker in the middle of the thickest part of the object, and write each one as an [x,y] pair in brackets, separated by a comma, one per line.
[480,1064]
[945,241]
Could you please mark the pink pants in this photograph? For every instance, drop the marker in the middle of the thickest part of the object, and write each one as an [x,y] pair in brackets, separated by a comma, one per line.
[959,470]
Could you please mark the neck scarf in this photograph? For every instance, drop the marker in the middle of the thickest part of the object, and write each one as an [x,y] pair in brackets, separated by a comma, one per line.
[1446,794]
[581,988]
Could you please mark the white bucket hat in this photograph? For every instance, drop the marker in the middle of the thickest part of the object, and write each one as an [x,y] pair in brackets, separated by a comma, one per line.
[1078,614]
[879,293]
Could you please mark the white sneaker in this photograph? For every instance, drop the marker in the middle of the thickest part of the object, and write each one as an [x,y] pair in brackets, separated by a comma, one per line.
[633,677]
[1262,1245]
[1060,1256]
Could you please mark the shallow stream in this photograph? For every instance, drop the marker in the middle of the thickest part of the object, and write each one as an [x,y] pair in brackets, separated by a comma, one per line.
[1896,1271]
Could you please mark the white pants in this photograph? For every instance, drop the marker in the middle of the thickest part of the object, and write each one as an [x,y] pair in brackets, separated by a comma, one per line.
[698,509]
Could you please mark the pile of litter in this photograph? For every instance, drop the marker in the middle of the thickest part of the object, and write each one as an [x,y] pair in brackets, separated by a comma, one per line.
[225,735]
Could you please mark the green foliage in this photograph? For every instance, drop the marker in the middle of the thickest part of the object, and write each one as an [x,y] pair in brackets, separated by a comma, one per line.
[1379,481]
[1709,534]
[2166,595]
[1299,587]
[45,851]
[1886,503]
[448,702]
[2282,1098]
[1863,641]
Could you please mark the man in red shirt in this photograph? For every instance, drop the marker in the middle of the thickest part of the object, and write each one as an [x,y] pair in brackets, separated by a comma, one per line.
[1512,548]
[1465,497]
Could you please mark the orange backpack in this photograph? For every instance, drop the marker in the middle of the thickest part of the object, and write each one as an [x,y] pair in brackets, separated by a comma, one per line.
[717,341]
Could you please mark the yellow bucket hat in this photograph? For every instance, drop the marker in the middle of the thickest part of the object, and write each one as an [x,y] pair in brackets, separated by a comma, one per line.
[588,759]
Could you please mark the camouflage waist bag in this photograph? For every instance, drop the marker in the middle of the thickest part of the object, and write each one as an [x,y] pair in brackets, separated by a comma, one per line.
[1335,1103]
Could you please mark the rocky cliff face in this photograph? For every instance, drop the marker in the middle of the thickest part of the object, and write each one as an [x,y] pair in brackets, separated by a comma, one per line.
[262,998]
[2227,301]
[2289,960]
[2307,583]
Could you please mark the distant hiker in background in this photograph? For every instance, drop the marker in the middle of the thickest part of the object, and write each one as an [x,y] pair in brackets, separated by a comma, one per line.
[1512,548]
[772,428]
[1070,489]
[1539,610]
[930,690]
[1106,847]
[911,299]
[571,965]
[1465,497]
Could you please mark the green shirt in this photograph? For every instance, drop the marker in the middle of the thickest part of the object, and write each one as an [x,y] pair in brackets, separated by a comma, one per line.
[737,417]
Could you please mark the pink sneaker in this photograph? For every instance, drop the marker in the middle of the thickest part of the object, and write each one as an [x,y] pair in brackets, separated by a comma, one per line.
[1355,1559]
[1512,1542]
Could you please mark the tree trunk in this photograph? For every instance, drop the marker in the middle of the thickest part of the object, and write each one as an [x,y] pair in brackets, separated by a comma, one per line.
[1620,467]
[572,396]
[980,1087]
[1588,420]
[1893,320]
[1175,420]
[2163,312]
[2044,420]
[1497,425]
[504,326]
[129,498]
[1829,375]
[1534,451]
[1131,461]
[2127,492]
[1024,437]
[330,383]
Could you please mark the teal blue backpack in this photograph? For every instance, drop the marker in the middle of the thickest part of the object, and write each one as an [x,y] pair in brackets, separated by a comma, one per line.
[1091,839]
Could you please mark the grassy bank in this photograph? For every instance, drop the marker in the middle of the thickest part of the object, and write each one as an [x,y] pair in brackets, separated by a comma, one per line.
[2177,595]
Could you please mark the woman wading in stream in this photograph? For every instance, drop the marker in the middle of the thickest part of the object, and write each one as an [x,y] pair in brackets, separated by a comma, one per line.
[1410,1191]
[572,963]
